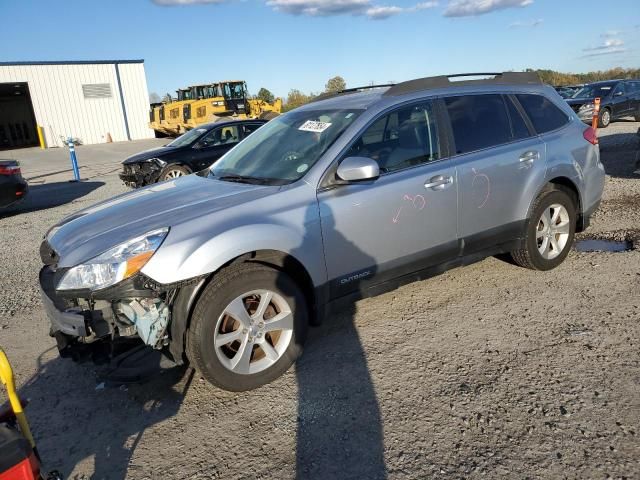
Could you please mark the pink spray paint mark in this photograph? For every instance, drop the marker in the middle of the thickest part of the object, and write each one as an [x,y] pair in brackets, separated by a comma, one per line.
[473,184]
[417,202]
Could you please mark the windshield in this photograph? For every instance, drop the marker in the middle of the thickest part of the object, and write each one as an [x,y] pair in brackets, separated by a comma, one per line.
[285,148]
[188,138]
[593,91]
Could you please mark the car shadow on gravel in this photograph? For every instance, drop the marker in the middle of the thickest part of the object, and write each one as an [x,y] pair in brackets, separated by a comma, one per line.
[339,424]
[620,154]
[110,430]
[50,195]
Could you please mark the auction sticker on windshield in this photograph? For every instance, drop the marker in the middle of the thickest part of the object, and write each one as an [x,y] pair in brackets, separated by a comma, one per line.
[313,126]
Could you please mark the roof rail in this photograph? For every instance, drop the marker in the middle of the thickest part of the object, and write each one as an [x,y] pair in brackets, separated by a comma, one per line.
[324,96]
[519,78]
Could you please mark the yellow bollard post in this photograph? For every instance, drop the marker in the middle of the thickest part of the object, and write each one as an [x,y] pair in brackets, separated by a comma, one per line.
[6,376]
[41,137]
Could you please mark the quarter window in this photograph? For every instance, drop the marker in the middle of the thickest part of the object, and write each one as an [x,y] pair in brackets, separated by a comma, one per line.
[402,139]
[544,115]
[478,121]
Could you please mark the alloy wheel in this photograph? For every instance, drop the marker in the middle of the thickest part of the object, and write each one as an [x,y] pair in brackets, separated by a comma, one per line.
[253,332]
[552,232]
[173,174]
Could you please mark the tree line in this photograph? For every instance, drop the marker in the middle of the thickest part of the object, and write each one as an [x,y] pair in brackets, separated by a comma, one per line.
[559,78]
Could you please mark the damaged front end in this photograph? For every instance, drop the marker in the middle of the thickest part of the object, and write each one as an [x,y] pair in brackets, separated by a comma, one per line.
[100,325]
[103,306]
[138,175]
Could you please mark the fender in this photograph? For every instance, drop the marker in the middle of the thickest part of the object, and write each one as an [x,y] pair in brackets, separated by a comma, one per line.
[184,258]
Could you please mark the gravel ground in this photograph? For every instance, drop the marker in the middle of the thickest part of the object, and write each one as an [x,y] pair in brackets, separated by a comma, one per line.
[489,370]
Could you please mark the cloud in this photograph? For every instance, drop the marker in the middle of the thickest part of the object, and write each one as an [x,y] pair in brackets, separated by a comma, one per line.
[321,8]
[527,23]
[173,3]
[380,13]
[610,33]
[605,52]
[606,45]
[424,5]
[326,8]
[467,8]
[610,46]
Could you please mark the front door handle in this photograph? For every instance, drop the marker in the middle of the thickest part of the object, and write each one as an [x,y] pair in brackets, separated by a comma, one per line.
[529,157]
[439,182]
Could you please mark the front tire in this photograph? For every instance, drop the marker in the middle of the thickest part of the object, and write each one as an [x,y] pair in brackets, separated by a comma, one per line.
[549,232]
[248,327]
[605,118]
[171,172]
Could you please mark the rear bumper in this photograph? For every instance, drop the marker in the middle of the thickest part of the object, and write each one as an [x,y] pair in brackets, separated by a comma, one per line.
[584,221]
[12,191]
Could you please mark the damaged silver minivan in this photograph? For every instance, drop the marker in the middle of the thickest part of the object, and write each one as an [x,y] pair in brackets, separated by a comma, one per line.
[348,196]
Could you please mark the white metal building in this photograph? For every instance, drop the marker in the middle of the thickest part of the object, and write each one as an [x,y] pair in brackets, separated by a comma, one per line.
[88,100]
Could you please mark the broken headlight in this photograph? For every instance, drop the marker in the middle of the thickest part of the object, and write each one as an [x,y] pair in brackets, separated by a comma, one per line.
[114,265]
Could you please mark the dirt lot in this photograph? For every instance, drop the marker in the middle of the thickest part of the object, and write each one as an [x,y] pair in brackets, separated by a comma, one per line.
[490,370]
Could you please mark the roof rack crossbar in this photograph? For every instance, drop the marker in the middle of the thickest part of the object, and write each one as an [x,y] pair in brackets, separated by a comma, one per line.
[518,78]
[324,96]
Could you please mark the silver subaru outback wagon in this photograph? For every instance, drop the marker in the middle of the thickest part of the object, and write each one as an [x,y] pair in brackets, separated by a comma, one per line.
[348,196]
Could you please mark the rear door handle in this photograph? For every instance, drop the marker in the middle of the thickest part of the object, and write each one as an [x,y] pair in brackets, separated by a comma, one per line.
[529,157]
[439,182]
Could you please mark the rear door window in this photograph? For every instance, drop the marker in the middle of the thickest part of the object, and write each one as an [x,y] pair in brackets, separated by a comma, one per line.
[544,115]
[478,121]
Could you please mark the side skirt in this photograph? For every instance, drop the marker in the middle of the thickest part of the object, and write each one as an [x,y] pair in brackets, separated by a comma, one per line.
[340,303]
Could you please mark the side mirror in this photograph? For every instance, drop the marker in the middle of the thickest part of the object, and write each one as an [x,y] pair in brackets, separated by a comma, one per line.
[353,169]
[618,94]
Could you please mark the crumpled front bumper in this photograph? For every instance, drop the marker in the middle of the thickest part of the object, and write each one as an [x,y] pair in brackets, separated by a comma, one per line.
[140,174]
[68,320]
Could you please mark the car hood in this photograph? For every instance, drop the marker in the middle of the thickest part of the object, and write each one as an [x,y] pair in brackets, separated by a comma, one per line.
[92,231]
[152,153]
[579,101]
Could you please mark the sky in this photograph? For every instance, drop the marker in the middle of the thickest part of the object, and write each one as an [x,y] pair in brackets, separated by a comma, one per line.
[286,44]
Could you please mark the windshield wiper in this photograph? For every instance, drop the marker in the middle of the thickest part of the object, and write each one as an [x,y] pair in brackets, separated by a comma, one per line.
[245,179]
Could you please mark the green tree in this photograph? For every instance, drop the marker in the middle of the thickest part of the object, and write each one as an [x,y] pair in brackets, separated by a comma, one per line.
[560,78]
[295,99]
[265,95]
[335,84]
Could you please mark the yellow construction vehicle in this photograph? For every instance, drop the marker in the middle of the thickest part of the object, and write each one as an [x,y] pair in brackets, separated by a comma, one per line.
[200,104]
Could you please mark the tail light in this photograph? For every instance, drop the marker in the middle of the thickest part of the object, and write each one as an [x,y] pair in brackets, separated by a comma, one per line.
[9,170]
[590,135]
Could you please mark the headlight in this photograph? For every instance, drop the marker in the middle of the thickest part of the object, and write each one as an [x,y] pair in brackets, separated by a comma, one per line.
[114,265]
[160,163]
[586,108]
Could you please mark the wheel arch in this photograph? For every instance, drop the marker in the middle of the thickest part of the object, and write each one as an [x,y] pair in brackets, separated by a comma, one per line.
[568,186]
[188,296]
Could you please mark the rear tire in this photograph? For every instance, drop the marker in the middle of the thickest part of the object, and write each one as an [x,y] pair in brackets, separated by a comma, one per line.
[549,231]
[248,327]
